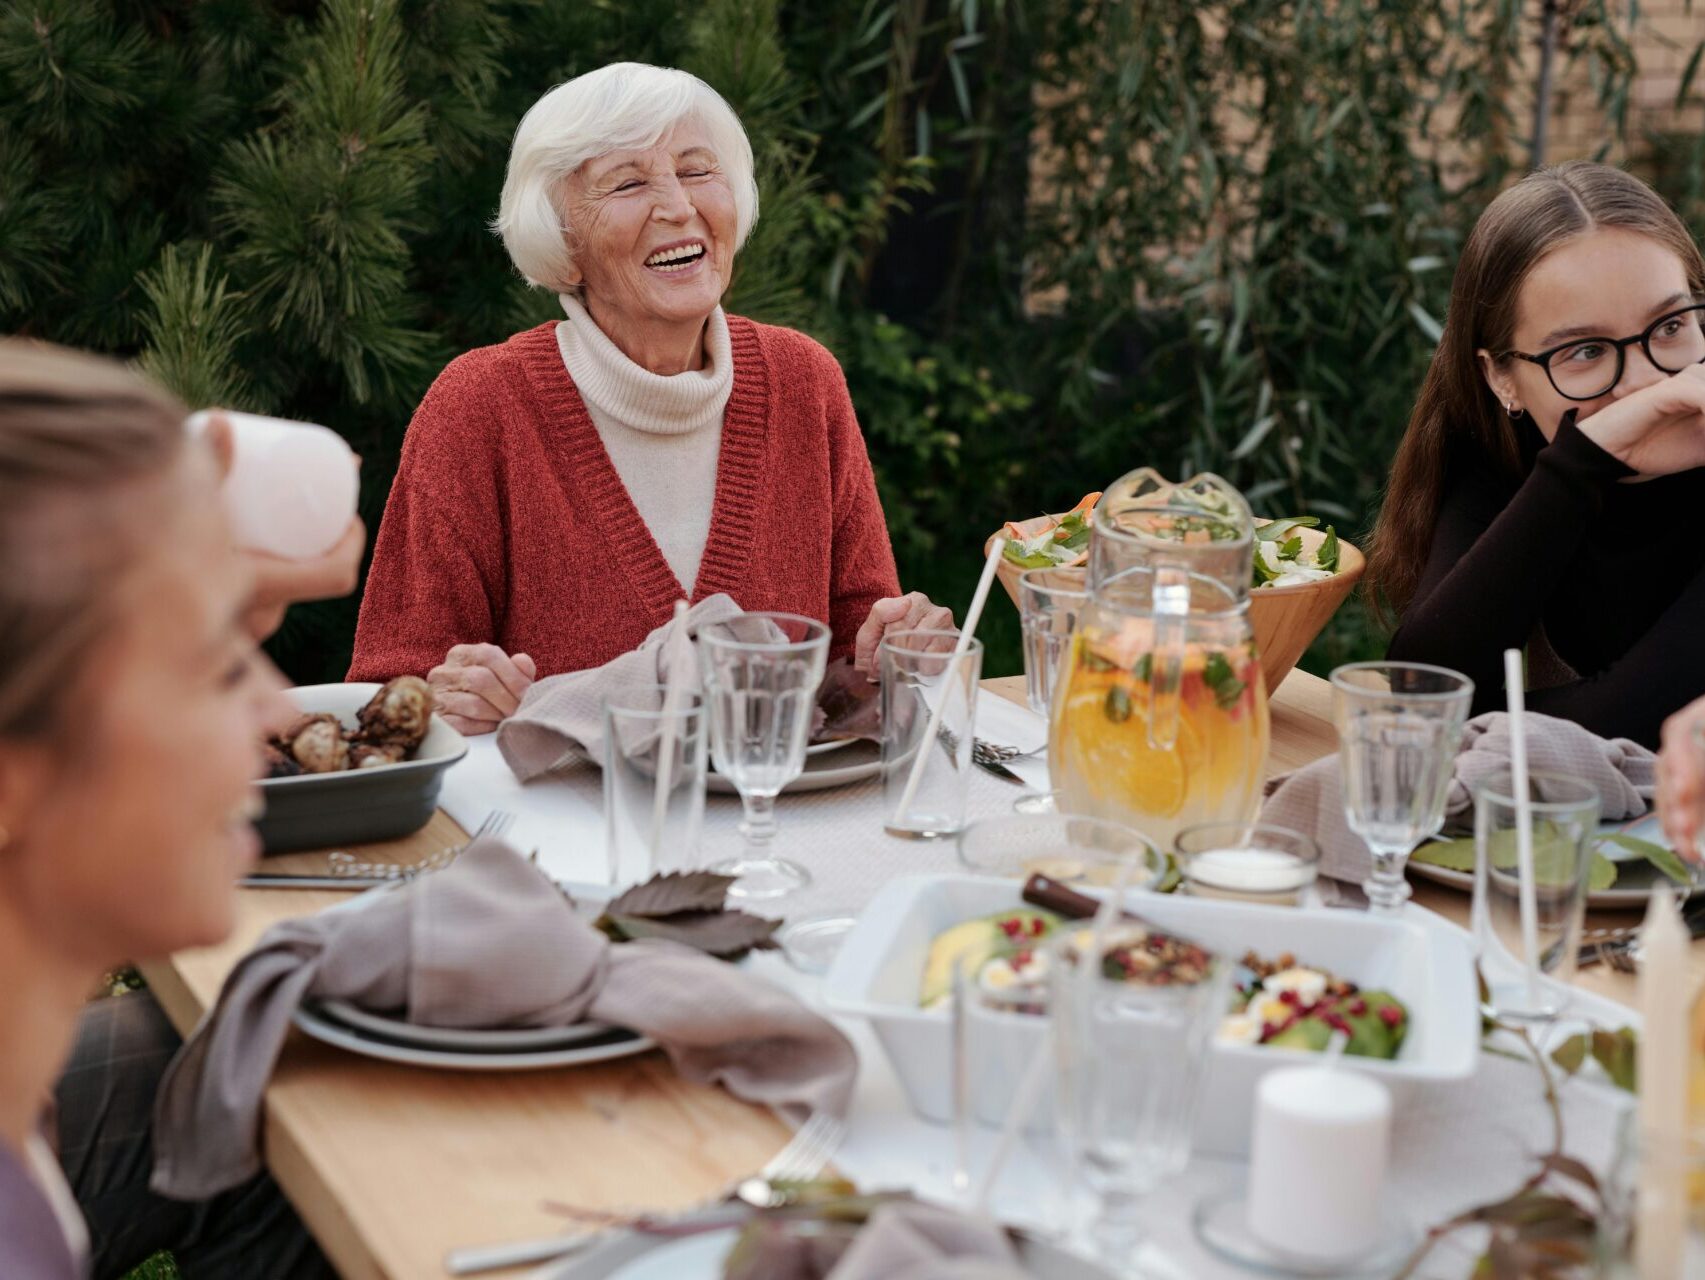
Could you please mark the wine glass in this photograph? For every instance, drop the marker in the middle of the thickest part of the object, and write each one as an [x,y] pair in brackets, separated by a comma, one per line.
[1399,728]
[761,672]
[1133,1013]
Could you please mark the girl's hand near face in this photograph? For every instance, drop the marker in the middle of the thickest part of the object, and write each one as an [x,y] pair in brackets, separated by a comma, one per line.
[478,686]
[1659,429]
[1681,780]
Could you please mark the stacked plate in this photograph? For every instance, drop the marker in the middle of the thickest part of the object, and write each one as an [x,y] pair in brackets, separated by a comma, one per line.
[389,1037]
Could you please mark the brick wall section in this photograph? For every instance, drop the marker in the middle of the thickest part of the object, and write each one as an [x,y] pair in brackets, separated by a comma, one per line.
[1663,39]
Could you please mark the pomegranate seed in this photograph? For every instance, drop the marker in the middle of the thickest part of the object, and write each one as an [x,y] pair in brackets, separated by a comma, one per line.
[1290,997]
[1391,1015]
[1358,1007]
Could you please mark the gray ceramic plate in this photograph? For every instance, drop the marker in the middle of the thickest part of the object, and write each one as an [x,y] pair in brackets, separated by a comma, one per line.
[357,806]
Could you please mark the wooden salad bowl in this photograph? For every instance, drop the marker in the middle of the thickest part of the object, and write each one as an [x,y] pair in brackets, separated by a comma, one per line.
[1285,619]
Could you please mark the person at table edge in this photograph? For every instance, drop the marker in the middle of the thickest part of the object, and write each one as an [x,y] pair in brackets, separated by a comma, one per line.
[1547,490]
[558,492]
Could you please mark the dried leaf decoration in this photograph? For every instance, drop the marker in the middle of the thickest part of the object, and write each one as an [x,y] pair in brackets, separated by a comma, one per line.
[687,907]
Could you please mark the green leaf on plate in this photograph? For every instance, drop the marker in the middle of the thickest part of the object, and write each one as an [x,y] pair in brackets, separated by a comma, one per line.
[1664,859]
[1452,855]
[1551,857]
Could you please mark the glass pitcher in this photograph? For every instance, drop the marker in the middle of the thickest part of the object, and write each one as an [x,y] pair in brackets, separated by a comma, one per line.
[1160,711]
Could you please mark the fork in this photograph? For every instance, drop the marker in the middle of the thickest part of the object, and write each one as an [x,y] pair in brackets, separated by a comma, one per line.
[496,823]
[801,1159]
[999,753]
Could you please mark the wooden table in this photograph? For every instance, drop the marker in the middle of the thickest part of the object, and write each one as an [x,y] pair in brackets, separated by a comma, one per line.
[390,1166]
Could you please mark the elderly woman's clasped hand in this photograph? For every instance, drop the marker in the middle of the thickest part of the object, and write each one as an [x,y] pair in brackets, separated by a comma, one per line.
[478,686]
[913,611]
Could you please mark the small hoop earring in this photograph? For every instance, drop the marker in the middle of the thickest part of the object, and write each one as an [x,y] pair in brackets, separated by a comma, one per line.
[1516,414]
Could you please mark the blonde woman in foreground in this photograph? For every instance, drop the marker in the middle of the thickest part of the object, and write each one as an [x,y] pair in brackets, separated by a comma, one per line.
[132,705]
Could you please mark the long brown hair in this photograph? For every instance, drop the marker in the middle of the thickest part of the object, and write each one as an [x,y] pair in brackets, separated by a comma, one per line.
[1457,414]
[80,438]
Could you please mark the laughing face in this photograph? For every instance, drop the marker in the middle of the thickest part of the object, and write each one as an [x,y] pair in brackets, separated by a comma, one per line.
[654,235]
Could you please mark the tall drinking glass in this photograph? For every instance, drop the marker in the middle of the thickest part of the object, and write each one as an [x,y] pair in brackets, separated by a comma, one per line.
[1399,728]
[1133,1014]
[1049,601]
[654,771]
[1564,823]
[761,672]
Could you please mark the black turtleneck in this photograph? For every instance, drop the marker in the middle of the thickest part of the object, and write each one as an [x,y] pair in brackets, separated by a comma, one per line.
[1614,570]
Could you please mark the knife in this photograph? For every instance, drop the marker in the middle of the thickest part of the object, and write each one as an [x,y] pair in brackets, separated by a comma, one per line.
[281,880]
[999,770]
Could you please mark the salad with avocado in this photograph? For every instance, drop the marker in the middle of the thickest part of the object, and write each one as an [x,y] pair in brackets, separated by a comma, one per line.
[1282,557]
[1278,1002]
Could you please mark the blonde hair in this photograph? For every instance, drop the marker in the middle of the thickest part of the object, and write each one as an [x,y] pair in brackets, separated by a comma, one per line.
[625,106]
[78,435]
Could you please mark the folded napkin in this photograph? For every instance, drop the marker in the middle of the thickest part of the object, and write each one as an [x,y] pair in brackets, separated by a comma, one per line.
[560,721]
[915,1241]
[488,942]
[1624,772]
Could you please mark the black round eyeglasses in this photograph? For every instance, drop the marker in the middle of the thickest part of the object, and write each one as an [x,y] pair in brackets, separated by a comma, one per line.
[1587,368]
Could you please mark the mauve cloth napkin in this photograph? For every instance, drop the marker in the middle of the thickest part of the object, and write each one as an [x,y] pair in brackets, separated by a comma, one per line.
[914,1241]
[560,721]
[1311,799]
[489,941]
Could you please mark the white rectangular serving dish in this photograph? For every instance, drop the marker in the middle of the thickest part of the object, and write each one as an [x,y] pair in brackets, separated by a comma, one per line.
[1426,963]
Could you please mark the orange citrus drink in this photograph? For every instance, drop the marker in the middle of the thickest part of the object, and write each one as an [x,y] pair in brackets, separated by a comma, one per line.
[1120,752]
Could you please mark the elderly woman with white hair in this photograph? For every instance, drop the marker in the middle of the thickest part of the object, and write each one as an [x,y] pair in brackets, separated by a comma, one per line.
[560,491]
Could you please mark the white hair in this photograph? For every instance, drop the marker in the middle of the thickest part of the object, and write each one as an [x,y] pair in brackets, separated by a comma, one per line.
[622,107]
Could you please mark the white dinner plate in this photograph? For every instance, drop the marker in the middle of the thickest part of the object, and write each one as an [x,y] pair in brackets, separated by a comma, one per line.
[861,759]
[621,1044]
[461,1039]
[631,1256]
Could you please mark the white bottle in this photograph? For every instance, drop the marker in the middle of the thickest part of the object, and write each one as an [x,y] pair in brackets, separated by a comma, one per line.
[292,487]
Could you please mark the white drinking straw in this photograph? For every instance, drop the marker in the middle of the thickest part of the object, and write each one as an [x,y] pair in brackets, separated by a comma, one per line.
[966,635]
[1514,686]
[666,746]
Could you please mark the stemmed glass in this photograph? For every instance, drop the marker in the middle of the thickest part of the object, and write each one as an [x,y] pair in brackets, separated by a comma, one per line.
[1133,1014]
[761,672]
[1399,728]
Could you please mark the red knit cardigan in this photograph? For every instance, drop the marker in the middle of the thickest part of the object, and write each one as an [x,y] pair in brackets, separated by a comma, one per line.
[508,523]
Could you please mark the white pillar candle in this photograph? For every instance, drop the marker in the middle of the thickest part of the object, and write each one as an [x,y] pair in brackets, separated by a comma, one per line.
[1317,1162]
[1248,875]
[1661,1199]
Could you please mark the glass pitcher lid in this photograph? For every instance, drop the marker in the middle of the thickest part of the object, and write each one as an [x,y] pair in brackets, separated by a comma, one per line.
[1201,525]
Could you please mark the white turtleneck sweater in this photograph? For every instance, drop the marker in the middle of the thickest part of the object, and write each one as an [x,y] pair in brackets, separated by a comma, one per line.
[662,432]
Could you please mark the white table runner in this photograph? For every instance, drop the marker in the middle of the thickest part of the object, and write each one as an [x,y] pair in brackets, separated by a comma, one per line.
[1451,1150]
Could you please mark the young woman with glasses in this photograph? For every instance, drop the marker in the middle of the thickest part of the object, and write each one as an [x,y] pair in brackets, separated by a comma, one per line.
[1549,490]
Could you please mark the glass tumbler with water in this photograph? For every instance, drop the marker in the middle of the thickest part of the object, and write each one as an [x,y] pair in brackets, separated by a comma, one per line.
[1564,825]
[1133,1014]
[761,673]
[1399,728]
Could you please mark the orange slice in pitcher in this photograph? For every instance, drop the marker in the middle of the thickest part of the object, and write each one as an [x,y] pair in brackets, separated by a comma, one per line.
[1114,757]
